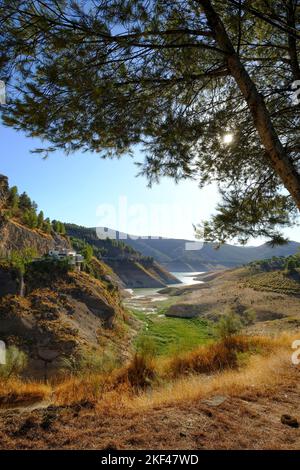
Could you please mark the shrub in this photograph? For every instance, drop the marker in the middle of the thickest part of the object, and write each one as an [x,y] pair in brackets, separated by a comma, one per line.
[291,265]
[30,218]
[6,214]
[40,220]
[146,347]
[249,316]
[47,226]
[222,355]
[42,272]
[228,325]
[16,362]
[140,373]
[89,363]
[13,198]
[58,227]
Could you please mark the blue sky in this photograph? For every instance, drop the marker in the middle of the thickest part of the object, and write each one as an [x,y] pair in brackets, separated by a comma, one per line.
[90,191]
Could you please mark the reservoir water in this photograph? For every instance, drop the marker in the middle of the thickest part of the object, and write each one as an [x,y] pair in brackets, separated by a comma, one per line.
[187,278]
[141,298]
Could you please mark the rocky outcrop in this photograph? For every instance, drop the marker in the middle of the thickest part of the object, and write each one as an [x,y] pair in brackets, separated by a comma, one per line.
[17,237]
[141,274]
[62,319]
[14,236]
[184,310]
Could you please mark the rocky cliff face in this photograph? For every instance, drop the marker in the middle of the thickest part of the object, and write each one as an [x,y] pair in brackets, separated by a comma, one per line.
[17,237]
[14,236]
[138,274]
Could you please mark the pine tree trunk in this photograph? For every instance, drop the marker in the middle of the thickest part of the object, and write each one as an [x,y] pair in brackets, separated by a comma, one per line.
[279,160]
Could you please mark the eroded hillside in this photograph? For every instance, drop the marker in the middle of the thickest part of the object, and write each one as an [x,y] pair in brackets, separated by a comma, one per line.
[63,314]
[133,269]
[48,309]
[274,297]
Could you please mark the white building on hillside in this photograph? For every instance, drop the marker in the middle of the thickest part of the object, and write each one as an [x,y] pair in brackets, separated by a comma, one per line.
[74,258]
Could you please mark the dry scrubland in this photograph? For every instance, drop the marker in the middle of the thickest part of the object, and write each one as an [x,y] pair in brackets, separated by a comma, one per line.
[230,394]
[274,296]
[227,393]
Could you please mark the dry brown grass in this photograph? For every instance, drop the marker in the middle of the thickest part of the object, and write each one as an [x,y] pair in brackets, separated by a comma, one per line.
[138,375]
[145,383]
[205,360]
[261,374]
[90,387]
[171,413]
[140,372]
[15,391]
[174,418]
[220,356]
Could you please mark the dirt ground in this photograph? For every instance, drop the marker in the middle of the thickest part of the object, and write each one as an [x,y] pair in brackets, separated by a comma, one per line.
[249,421]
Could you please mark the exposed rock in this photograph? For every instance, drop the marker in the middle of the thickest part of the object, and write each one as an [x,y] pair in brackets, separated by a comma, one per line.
[185,310]
[96,304]
[57,314]
[61,319]
[139,274]
[14,236]
[215,401]
[47,355]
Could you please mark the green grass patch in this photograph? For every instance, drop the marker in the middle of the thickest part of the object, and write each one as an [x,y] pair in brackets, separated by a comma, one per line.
[173,335]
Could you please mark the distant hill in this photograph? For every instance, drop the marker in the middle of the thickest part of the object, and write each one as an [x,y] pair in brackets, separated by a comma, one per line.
[133,268]
[172,255]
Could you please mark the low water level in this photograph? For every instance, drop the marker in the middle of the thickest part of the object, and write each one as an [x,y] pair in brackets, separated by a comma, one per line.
[187,278]
[141,298]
